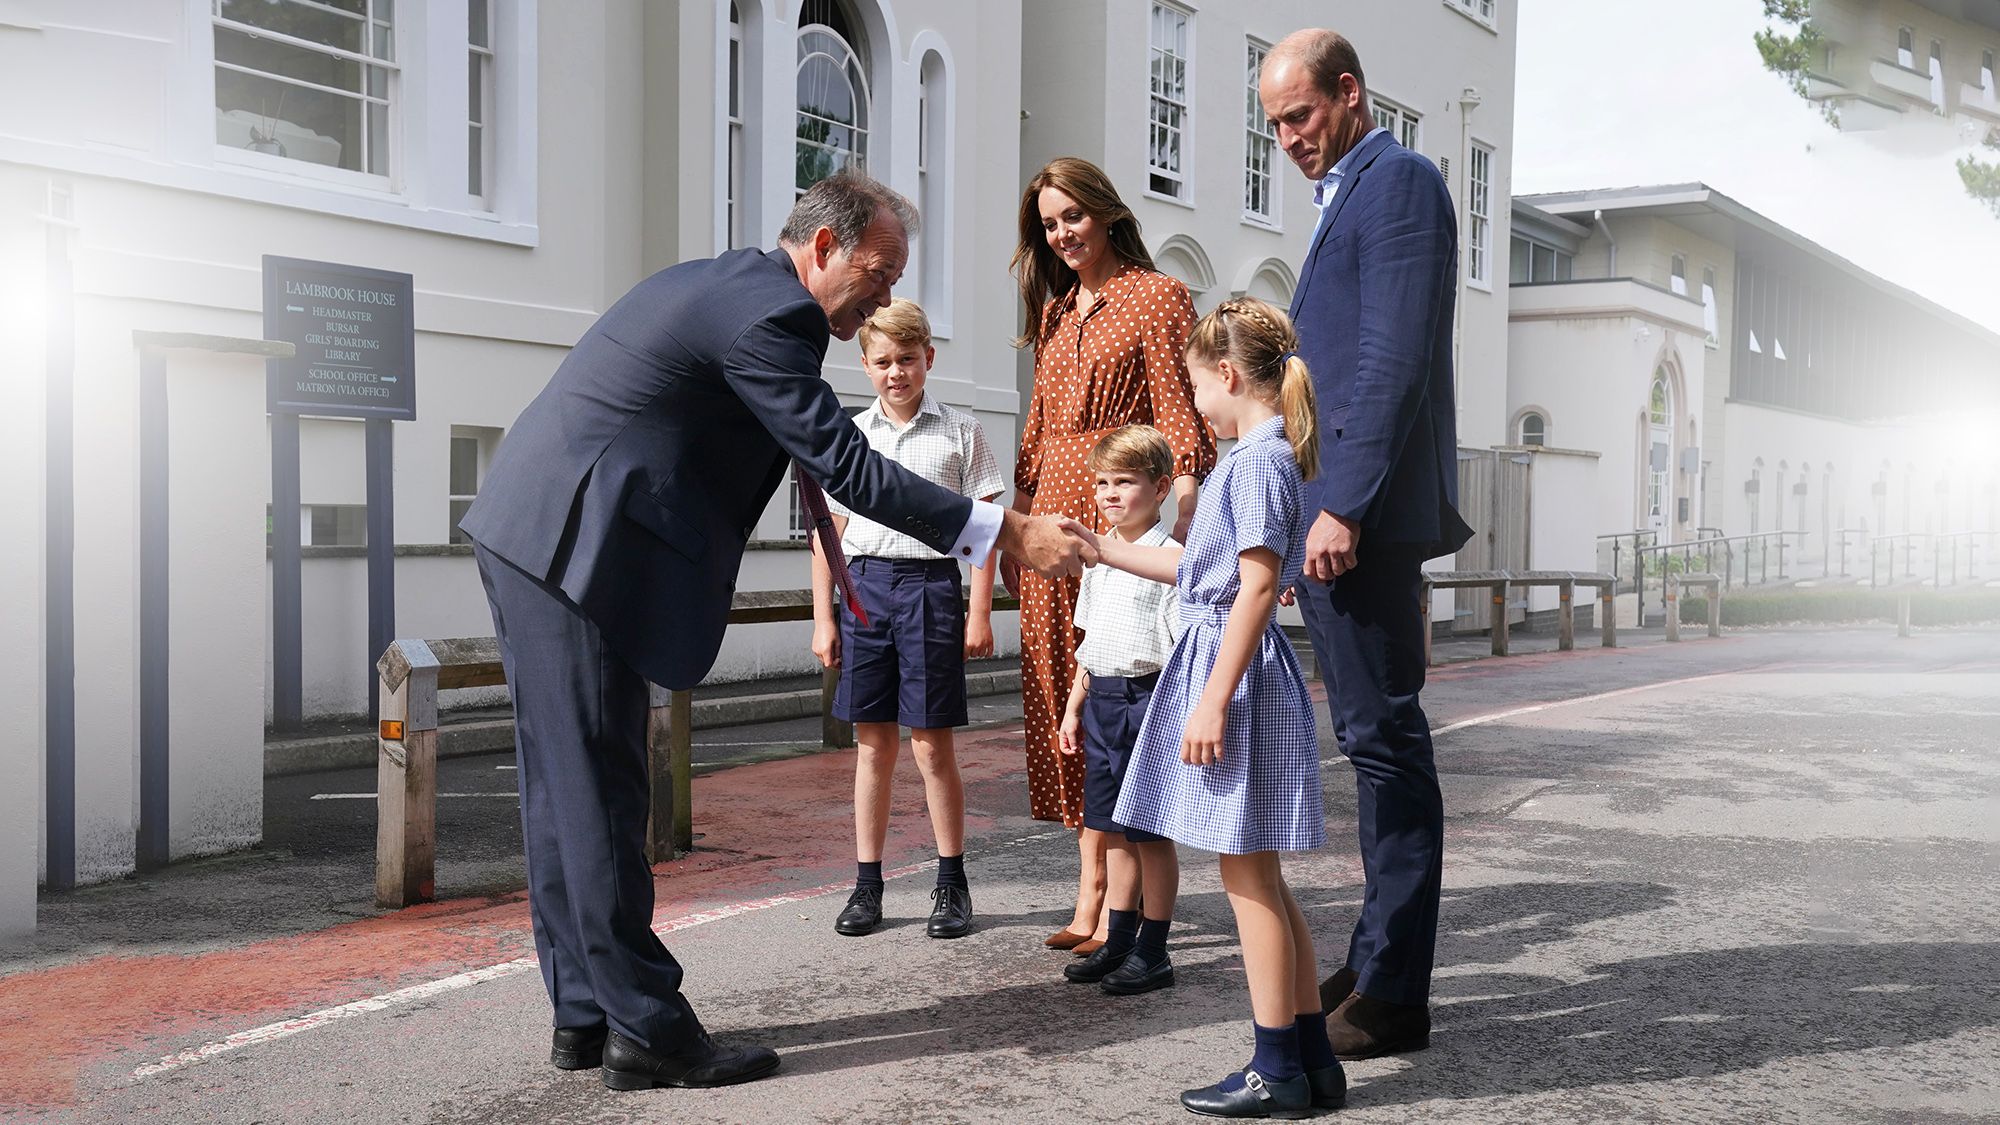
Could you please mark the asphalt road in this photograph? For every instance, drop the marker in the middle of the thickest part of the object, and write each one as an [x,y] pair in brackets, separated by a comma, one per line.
[1746,880]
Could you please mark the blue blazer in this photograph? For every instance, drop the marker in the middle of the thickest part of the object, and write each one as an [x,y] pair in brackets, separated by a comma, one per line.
[1373,312]
[634,479]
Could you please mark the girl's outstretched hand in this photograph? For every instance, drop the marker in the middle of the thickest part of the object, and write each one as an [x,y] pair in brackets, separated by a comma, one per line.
[1201,742]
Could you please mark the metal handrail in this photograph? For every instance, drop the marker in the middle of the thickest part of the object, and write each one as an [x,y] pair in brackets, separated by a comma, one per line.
[1688,548]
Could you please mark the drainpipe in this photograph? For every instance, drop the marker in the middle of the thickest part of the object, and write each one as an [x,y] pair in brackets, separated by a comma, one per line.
[1611,265]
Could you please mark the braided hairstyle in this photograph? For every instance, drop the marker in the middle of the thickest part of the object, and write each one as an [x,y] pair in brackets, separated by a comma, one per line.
[1258,341]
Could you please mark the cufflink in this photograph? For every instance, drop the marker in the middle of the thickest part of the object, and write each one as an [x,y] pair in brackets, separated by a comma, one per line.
[966,551]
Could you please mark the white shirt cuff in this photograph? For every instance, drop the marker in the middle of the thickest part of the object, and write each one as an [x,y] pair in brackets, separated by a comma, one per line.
[982,530]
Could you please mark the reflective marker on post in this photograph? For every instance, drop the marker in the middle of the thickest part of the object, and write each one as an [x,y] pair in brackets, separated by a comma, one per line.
[392,730]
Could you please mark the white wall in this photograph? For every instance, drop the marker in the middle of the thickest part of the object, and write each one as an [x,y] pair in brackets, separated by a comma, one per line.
[22,460]
[217,473]
[1561,531]
[1583,354]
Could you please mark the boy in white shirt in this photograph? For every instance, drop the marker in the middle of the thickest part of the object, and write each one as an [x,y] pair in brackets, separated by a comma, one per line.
[906,666]
[1129,626]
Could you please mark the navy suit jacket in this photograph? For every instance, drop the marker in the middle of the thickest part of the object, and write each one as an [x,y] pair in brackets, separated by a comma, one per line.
[634,479]
[1373,312]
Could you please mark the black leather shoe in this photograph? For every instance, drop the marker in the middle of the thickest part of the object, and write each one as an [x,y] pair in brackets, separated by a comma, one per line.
[862,913]
[1136,976]
[577,1048]
[696,1064]
[1329,1086]
[1288,1100]
[1095,967]
[951,912]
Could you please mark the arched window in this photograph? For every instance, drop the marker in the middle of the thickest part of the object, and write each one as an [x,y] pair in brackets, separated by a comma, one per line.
[834,110]
[1659,452]
[1534,429]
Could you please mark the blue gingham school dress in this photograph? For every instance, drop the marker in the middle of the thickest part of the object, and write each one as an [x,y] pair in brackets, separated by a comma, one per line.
[1265,794]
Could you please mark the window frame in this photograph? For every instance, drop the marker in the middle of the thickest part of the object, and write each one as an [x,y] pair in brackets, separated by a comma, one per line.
[1408,129]
[1906,48]
[1542,430]
[1711,308]
[483,59]
[1181,179]
[1482,12]
[392,99]
[1480,227]
[1677,275]
[859,58]
[1258,130]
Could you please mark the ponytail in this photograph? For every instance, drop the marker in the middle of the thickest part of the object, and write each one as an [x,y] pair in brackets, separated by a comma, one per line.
[1300,405]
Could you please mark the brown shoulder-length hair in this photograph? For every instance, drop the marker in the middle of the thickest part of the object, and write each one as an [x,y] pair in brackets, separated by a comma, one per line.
[1041,272]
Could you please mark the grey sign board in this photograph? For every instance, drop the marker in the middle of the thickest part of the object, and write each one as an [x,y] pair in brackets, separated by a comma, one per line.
[355,336]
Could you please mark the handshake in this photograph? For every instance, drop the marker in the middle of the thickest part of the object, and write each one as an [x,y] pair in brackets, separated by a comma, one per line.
[1051,546]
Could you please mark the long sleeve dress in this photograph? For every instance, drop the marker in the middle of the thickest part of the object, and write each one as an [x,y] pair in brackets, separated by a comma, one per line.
[1121,363]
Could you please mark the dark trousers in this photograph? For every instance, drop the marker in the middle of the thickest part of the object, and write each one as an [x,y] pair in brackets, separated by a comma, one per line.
[1367,633]
[580,741]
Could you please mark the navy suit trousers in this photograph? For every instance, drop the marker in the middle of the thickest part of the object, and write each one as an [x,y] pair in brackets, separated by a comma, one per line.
[580,740]
[1367,634]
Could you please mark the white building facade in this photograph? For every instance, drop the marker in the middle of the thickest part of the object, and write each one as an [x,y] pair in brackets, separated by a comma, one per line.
[526,163]
[1737,378]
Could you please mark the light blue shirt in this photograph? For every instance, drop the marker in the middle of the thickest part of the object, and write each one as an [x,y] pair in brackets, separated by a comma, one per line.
[1328,186]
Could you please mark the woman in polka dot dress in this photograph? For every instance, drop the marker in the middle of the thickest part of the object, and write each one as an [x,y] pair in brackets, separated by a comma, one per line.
[1109,332]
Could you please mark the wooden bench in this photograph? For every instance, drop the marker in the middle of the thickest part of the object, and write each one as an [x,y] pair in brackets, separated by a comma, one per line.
[1500,582]
[1711,584]
[411,674]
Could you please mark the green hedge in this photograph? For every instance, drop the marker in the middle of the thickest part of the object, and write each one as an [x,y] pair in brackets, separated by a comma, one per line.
[1965,606]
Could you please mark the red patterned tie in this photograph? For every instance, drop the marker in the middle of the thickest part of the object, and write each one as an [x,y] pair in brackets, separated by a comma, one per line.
[829,543]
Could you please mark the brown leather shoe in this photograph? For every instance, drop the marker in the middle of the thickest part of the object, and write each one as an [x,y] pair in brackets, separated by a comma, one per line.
[1335,988]
[1086,948]
[1065,939]
[1365,1028]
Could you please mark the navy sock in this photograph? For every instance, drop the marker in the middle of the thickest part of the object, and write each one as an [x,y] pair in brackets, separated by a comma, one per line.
[951,871]
[1315,1053]
[868,874]
[1152,944]
[1277,1056]
[1121,932]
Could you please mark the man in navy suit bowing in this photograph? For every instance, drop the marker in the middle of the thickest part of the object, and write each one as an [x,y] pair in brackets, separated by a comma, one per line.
[608,535]
[1373,311]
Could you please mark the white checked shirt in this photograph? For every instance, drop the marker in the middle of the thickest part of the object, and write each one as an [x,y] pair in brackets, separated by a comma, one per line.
[942,445]
[1129,623]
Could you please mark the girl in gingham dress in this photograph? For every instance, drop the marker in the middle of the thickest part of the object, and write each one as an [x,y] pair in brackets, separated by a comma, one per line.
[1228,758]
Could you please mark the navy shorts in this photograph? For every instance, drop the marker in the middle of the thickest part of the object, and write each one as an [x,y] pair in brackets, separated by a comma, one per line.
[1113,708]
[907,665]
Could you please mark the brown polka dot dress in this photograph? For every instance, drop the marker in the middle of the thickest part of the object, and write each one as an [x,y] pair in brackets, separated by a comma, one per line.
[1118,364]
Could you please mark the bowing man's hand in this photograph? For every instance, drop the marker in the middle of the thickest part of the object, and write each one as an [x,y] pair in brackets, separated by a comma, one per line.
[1331,547]
[1045,545]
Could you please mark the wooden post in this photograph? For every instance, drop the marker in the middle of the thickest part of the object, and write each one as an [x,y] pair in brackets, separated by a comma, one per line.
[1566,615]
[1606,610]
[661,818]
[681,765]
[1903,615]
[1499,618]
[833,734]
[1715,609]
[406,777]
[1670,589]
[1424,600]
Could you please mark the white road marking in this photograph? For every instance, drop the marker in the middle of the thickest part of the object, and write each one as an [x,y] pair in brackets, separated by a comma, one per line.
[1516,712]
[371,796]
[286,1028]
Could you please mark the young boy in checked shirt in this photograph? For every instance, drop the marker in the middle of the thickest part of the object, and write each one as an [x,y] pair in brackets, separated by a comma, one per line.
[1129,624]
[906,666]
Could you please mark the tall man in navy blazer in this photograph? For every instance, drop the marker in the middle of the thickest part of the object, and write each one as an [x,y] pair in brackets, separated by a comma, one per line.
[1373,312]
[608,535]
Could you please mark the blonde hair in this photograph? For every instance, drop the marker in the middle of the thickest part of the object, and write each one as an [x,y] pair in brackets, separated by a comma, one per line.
[1134,449]
[1259,343]
[901,320]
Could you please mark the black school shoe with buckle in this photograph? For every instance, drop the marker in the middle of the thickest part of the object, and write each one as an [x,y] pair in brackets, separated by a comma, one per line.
[862,913]
[577,1048]
[1137,975]
[1329,1086]
[1257,1097]
[951,912]
[698,1063]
